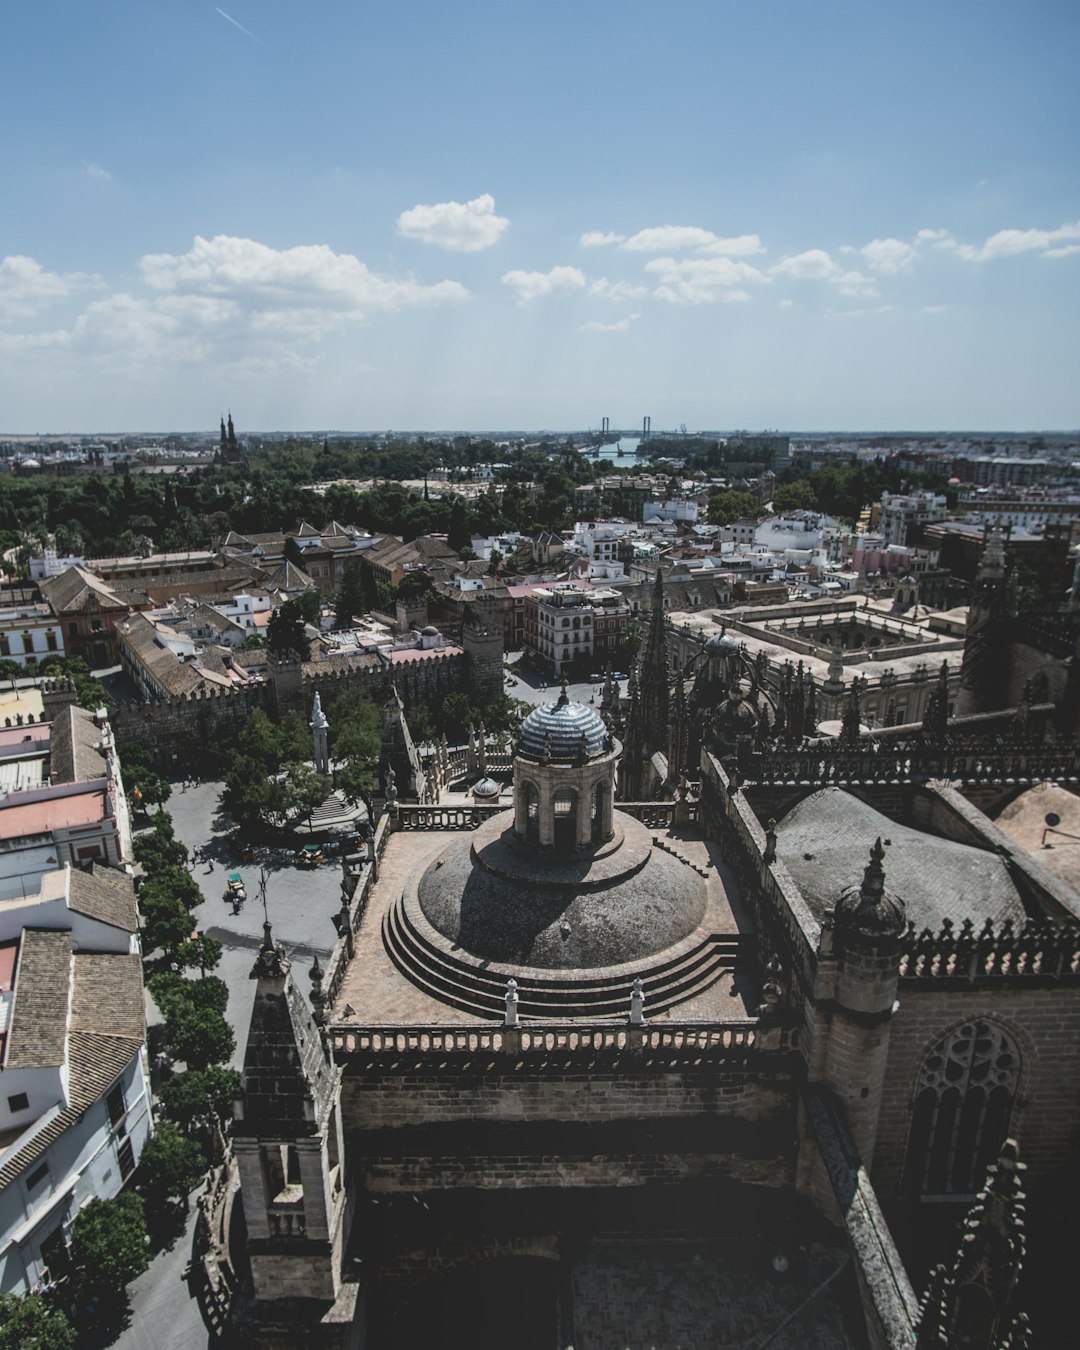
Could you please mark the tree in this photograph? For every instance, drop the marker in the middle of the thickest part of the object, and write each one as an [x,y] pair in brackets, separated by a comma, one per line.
[633,635]
[109,1242]
[349,597]
[158,847]
[199,1099]
[166,920]
[306,789]
[31,1324]
[725,507]
[798,496]
[285,631]
[199,1036]
[457,535]
[201,951]
[171,1163]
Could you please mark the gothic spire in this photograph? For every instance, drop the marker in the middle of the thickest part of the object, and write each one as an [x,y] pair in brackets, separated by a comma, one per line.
[973,1304]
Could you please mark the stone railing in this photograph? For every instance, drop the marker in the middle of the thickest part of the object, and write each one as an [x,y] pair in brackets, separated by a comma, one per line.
[442,817]
[212,1279]
[911,763]
[339,958]
[1039,951]
[716,1041]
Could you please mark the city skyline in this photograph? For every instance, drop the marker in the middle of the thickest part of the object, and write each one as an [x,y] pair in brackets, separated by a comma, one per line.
[801,217]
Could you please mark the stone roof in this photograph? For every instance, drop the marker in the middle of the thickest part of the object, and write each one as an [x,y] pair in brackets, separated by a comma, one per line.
[289,577]
[825,840]
[176,676]
[104,894]
[288,1078]
[38,1030]
[75,755]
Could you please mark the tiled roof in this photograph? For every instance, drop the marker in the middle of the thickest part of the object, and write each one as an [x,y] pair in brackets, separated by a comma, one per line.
[107,995]
[560,726]
[74,747]
[95,1062]
[104,894]
[42,986]
[68,592]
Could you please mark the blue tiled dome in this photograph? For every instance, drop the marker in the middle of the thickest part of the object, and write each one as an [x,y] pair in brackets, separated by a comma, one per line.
[565,723]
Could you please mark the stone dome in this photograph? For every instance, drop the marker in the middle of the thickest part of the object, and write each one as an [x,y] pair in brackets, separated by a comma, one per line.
[557,729]
[486,787]
[429,631]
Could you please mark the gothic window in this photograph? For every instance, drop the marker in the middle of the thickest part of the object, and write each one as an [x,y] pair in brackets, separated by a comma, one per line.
[962,1105]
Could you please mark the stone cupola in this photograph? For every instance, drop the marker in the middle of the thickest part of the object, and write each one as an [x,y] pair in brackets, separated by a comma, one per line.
[564,778]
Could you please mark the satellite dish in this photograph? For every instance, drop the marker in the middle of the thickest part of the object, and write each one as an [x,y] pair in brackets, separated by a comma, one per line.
[1052,818]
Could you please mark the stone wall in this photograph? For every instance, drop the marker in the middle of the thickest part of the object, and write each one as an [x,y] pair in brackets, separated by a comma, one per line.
[585,1127]
[182,731]
[1043,1022]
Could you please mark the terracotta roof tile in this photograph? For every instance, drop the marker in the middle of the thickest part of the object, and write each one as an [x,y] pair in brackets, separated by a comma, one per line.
[42,988]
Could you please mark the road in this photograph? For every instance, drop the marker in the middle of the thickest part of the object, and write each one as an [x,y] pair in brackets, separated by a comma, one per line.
[534,686]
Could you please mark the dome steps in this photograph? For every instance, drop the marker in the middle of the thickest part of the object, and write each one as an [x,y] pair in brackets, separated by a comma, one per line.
[471,989]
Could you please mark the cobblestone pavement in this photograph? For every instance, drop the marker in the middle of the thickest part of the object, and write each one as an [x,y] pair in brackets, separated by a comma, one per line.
[721,1296]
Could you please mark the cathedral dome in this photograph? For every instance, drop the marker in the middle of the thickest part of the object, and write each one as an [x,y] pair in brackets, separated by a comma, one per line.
[556,729]
[722,644]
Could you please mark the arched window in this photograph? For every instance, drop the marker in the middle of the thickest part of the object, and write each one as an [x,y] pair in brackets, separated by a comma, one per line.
[598,813]
[564,807]
[532,813]
[962,1105]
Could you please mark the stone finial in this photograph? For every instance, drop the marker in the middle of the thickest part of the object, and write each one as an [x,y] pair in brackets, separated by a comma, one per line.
[271,961]
[564,696]
[637,1003]
[318,717]
[511,999]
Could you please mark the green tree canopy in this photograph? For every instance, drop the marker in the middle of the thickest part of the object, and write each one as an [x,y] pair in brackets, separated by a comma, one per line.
[171,1164]
[31,1324]
[285,631]
[199,1036]
[109,1242]
[731,505]
[199,1098]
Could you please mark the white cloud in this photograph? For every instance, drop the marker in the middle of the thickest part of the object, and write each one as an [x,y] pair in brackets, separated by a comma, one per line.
[786,304]
[703,281]
[888,256]
[1010,243]
[936,238]
[1066,251]
[619,326]
[93,170]
[463,227]
[617,290]
[857,313]
[814,264]
[600,238]
[675,238]
[934,309]
[26,287]
[304,290]
[533,285]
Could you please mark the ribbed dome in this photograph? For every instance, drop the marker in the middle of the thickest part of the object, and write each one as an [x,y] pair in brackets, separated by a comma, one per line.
[722,644]
[565,723]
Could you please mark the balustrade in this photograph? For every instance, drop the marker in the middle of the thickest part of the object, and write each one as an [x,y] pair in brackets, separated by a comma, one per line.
[537,1040]
[1040,950]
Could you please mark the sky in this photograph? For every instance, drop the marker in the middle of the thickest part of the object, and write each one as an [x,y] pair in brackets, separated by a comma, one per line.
[790,214]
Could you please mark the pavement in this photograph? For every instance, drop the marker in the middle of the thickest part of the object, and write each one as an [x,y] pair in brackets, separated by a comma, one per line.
[300,903]
[163,1314]
[536,686]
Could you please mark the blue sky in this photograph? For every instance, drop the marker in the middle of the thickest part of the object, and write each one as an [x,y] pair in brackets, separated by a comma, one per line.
[801,215]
